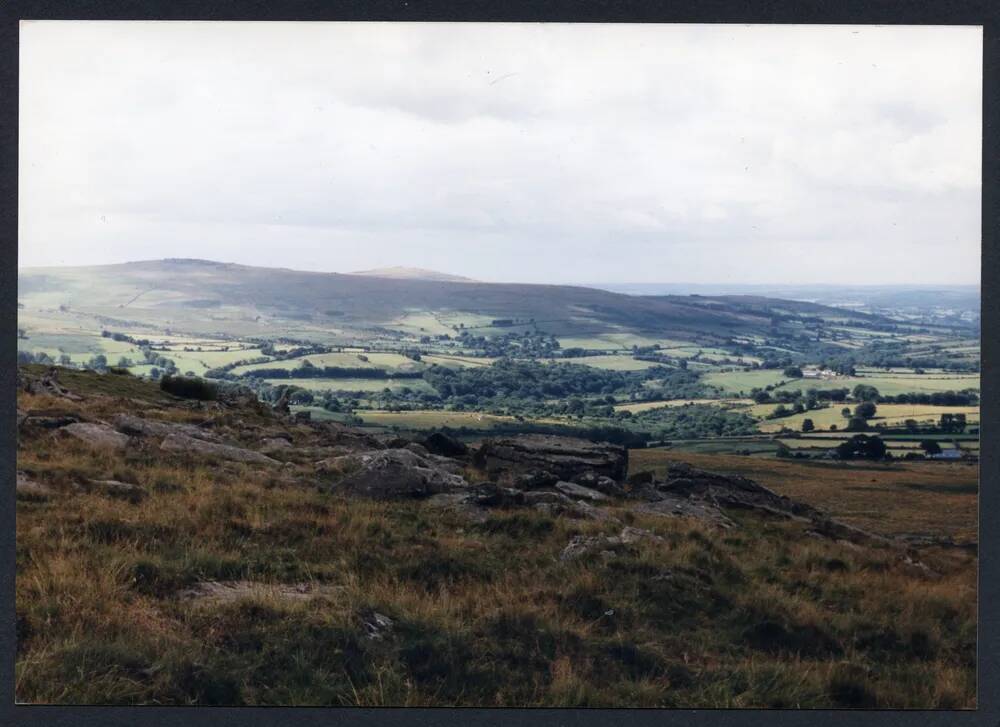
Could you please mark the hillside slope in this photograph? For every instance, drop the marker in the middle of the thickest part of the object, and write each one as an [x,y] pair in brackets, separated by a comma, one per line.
[218,552]
[198,291]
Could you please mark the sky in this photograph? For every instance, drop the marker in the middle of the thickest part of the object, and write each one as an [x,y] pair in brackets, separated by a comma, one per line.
[507,152]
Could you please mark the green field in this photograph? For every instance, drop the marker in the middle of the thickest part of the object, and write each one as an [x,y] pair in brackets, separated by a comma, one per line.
[612,362]
[890,385]
[354,384]
[430,419]
[640,406]
[888,414]
[734,382]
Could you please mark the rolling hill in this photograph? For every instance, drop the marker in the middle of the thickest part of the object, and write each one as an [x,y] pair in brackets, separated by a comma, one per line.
[204,296]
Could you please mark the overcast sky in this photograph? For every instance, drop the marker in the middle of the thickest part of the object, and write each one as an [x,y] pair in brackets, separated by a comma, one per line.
[536,153]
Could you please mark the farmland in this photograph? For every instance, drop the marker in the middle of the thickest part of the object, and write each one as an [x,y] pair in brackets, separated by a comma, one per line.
[475,354]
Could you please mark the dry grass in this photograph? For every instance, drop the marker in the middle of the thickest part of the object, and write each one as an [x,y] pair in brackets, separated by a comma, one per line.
[934,498]
[484,614]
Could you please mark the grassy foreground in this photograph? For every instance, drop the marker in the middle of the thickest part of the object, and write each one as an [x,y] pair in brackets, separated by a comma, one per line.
[482,613]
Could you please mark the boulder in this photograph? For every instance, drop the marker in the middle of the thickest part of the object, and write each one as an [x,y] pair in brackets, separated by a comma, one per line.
[389,474]
[183,444]
[444,445]
[571,489]
[97,435]
[565,457]
[45,419]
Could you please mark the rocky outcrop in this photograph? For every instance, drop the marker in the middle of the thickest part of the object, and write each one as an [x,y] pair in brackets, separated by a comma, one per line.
[694,493]
[389,474]
[183,444]
[601,483]
[734,491]
[571,489]
[565,457]
[97,435]
[45,385]
[140,426]
[689,507]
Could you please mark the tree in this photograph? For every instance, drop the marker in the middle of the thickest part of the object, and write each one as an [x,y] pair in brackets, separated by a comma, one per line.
[846,412]
[863,392]
[862,446]
[930,447]
[64,359]
[857,424]
[865,410]
[100,361]
[793,372]
[911,425]
[807,425]
[124,363]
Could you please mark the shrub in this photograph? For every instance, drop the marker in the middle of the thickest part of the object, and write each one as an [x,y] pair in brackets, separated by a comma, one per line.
[189,388]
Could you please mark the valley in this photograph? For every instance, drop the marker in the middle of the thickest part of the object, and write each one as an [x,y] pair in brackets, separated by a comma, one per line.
[418,350]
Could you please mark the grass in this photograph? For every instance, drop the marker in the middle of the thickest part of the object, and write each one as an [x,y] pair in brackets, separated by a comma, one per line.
[483,614]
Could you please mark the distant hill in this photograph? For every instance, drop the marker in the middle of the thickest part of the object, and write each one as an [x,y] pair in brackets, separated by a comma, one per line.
[204,296]
[398,272]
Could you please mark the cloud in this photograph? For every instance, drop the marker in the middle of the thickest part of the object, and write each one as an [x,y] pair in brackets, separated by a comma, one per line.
[511,152]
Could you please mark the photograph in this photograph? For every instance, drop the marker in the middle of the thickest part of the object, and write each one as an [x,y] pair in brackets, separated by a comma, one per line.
[498,364]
